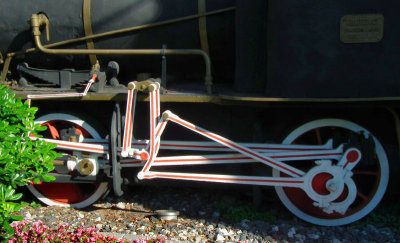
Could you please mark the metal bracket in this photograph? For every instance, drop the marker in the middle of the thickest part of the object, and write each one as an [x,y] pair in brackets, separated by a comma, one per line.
[144,86]
[69,78]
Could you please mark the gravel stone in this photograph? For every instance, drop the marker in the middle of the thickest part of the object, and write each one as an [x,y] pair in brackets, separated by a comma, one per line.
[220,237]
[132,215]
[107,228]
[313,236]
[292,232]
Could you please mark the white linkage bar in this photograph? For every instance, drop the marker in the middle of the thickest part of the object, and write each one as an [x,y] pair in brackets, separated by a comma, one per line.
[240,158]
[129,118]
[84,147]
[292,171]
[248,180]
[335,154]
[350,158]
[216,147]
[154,118]
[213,146]
[62,95]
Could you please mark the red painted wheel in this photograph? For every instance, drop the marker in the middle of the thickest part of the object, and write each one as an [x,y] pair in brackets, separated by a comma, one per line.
[77,195]
[370,175]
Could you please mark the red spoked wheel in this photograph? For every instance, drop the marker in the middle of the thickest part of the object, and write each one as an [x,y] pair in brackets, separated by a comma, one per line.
[77,195]
[370,175]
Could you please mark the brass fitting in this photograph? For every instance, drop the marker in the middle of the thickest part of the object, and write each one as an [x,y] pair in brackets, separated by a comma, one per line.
[131,85]
[86,167]
[166,115]
[146,86]
[58,162]
[37,20]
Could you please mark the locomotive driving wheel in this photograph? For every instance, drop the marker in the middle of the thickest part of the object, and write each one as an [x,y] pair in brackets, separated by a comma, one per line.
[368,181]
[77,195]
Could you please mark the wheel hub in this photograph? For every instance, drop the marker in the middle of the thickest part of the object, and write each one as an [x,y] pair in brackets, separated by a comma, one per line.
[325,183]
[319,181]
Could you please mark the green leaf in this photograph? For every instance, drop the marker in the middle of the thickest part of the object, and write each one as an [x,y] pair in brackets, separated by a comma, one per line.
[16,218]
[9,192]
[36,180]
[48,178]
[23,203]
[6,226]
[2,192]
[15,197]
[34,204]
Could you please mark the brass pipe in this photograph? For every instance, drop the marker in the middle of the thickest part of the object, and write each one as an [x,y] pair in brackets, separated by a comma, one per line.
[57,162]
[87,27]
[5,68]
[38,20]
[125,30]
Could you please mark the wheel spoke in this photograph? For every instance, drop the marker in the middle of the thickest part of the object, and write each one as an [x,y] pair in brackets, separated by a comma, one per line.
[53,130]
[362,196]
[318,135]
[369,173]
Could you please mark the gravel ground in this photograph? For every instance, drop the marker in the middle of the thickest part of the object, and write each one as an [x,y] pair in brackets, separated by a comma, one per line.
[200,218]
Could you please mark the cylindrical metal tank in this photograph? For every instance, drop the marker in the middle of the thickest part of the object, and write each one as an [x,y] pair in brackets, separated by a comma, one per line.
[66,22]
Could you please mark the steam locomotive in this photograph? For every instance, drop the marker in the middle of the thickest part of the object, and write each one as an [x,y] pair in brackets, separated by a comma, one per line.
[309,88]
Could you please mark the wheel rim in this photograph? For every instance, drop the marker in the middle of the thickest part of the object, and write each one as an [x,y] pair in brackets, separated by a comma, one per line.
[67,194]
[371,178]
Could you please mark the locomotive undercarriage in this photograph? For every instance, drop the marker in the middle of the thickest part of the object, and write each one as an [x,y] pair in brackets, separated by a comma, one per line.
[322,171]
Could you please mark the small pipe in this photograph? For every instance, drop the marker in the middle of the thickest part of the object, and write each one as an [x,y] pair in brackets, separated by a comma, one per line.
[59,162]
[38,20]
[5,68]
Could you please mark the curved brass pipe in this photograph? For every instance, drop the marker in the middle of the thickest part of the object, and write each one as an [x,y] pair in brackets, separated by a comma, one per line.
[123,31]
[38,20]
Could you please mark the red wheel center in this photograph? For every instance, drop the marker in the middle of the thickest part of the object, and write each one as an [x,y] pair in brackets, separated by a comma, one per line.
[66,193]
[319,183]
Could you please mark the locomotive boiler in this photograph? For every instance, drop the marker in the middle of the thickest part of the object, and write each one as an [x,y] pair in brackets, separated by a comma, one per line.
[309,88]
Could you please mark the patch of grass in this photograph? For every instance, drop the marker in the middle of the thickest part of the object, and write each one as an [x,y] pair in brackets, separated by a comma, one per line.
[242,212]
[386,214]
[33,204]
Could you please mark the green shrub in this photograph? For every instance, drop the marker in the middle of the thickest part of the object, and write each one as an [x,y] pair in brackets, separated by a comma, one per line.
[22,160]
[7,194]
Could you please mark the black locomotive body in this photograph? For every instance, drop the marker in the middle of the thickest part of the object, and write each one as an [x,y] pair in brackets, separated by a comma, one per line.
[253,71]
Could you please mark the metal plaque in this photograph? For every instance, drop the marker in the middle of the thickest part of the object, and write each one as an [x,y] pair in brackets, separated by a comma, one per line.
[361,28]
